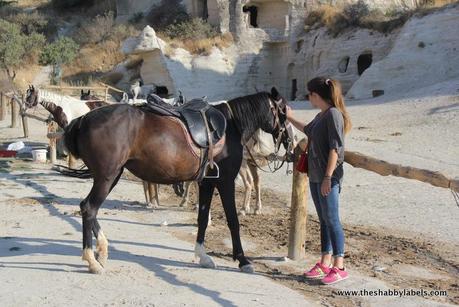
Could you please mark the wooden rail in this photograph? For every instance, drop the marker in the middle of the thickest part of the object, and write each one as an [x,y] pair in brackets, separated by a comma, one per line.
[385,168]
[298,213]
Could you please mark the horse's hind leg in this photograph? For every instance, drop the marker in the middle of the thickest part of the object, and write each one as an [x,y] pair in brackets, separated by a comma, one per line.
[89,208]
[101,240]
[152,198]
[146,185]
[248,182]
[256,183]
[186,195]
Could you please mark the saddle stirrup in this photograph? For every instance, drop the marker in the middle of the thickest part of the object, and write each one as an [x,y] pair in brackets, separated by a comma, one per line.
[206,168]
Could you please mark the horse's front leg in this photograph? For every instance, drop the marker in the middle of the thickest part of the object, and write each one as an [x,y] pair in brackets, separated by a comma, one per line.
[227,191]
[205,197]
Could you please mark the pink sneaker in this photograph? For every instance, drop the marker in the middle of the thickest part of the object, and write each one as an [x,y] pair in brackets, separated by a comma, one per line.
[317,272]
[335,275]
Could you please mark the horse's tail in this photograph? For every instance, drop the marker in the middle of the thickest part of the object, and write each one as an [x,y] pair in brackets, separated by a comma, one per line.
[71,137]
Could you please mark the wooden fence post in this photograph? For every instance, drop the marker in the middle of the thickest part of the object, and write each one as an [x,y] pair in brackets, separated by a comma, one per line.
[298,213]
[25,120]
[14,113]
[52,142]
[2,107]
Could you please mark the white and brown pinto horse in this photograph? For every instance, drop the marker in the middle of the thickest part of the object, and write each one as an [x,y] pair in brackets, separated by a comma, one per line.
[63,108]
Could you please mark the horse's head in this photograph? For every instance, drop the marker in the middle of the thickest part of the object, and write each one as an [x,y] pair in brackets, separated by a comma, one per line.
[31,99]
[85,95]
[279,128]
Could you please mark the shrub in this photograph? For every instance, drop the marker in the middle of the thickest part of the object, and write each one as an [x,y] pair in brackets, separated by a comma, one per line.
[136,18]
[66,4]
[29,22]
[102,28]
[17,48]
[193,29]
[355,12]
[166,13]
[96,30]
[90,7]
[62,51]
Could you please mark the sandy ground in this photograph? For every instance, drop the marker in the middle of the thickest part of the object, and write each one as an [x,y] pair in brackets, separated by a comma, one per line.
[407,228]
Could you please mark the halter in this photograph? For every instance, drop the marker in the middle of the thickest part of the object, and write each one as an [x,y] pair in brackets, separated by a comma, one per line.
[274,157]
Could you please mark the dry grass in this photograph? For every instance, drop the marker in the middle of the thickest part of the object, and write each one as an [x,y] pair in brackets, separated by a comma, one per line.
[338,19]
[31,3]
[199,46]
[95,60]
[100,40]
[26,75]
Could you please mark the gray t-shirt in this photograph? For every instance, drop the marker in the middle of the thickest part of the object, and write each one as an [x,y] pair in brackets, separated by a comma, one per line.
[325,132]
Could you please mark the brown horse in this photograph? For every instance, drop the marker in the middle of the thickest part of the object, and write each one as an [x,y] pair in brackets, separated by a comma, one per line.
[158,149]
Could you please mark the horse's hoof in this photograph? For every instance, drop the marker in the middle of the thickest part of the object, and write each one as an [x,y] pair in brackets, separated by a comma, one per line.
[153,206]
[96,268]
[207,262]
[242,212]
[102,259]
[257,211]
[248,268]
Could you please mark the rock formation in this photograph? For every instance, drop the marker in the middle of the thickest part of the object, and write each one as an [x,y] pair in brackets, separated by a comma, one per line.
[273,48]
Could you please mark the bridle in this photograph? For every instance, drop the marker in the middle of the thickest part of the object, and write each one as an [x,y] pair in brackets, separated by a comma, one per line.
[274,157]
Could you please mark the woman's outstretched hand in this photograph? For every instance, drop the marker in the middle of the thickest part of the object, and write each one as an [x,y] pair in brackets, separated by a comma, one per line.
[289,112]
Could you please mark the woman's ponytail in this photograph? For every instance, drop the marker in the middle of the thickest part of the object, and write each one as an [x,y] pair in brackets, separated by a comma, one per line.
[337,100]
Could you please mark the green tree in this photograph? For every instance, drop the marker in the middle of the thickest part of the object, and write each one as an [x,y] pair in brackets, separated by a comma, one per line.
[62,51]
[17,49]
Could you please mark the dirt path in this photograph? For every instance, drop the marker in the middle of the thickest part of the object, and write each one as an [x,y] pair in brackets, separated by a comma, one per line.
[401,234]
[376,258]
[40,248]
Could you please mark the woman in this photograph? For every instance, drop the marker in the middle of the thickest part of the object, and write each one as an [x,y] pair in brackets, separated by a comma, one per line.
[325,171]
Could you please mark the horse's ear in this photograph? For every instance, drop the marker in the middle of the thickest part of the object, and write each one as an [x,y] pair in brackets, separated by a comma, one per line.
[82,92]
[89,92]
[275,93]
[33,88]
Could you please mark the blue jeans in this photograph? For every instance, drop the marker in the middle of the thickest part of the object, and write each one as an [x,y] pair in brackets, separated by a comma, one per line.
[331,231]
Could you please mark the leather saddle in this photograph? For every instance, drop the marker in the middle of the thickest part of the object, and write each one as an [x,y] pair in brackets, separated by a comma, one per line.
[201,119]
[205,124]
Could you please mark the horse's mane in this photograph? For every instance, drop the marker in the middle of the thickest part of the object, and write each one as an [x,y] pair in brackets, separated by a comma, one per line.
[251,112]
[58,99]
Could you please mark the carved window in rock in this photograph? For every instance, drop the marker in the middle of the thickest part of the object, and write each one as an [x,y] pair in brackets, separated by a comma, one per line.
[343,64]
